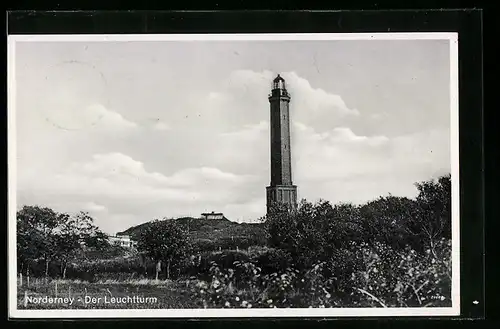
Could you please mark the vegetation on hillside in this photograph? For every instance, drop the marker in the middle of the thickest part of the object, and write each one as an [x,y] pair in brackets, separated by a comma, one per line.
[212,234]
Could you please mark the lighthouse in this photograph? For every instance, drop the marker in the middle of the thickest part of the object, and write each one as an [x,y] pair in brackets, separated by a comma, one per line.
[281,189]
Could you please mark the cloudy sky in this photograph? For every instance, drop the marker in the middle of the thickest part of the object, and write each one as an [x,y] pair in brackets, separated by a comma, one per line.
[132,131]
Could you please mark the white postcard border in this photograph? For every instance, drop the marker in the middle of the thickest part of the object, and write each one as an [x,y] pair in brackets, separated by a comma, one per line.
[454,310]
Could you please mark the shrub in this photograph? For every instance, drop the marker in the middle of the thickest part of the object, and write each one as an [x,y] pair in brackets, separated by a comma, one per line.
[272,260]
[135,265]
[363,276]
[201,264]
[118,276]
[404,278]
[226,258]
[244,286]
[221,290]
[202,245]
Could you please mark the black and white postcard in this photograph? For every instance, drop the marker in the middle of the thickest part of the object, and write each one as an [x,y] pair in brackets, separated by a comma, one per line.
[233,175]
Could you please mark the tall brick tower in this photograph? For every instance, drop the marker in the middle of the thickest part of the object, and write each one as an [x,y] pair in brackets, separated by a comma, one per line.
[281,189]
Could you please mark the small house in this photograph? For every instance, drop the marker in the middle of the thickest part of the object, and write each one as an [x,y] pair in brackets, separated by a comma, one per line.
[212,215]
[122,240]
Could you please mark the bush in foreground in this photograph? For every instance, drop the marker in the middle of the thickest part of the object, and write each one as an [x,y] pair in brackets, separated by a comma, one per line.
[380,277]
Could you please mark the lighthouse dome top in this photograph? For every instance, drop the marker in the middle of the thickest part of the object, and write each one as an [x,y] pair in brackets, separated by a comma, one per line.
[278,78]
[279,83]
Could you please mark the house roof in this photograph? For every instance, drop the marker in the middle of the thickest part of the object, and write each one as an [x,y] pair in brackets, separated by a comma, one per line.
[120,237]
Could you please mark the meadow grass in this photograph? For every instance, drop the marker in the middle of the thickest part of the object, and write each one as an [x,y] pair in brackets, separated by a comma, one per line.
[150,294]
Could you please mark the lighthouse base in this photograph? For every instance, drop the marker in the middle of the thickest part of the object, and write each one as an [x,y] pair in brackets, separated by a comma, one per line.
[282,194]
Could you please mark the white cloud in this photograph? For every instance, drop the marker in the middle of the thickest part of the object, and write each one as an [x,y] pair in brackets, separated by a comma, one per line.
[193,176]
[249,211]
[108,119]
[346,135]
[379,116]
[77,117]
[248,132]
[215,96]
[118,171]
[115,182]
[161,126]
[340,165]
[246,150]
[243,100]
[315,99]
[93,207]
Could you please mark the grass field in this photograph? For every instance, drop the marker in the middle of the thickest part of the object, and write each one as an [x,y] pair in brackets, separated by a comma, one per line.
[71,294]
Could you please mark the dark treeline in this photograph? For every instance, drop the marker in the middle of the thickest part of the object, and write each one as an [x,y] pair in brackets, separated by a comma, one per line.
[316,231]
[54,240]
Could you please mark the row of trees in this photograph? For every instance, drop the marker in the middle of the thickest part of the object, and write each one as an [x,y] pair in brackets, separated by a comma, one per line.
[315,231]
[48,236]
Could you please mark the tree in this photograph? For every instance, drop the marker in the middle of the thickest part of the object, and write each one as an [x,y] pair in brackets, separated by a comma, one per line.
[311,225]
[315,231]
[67,242]
[343,225]
[28,240]
[97,241]
[432,220]
[281,227]
[45,234]
[37,229]
[77,232]
[166,242]
[386,219]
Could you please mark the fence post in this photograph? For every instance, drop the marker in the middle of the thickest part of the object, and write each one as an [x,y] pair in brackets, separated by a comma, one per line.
[55,287]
